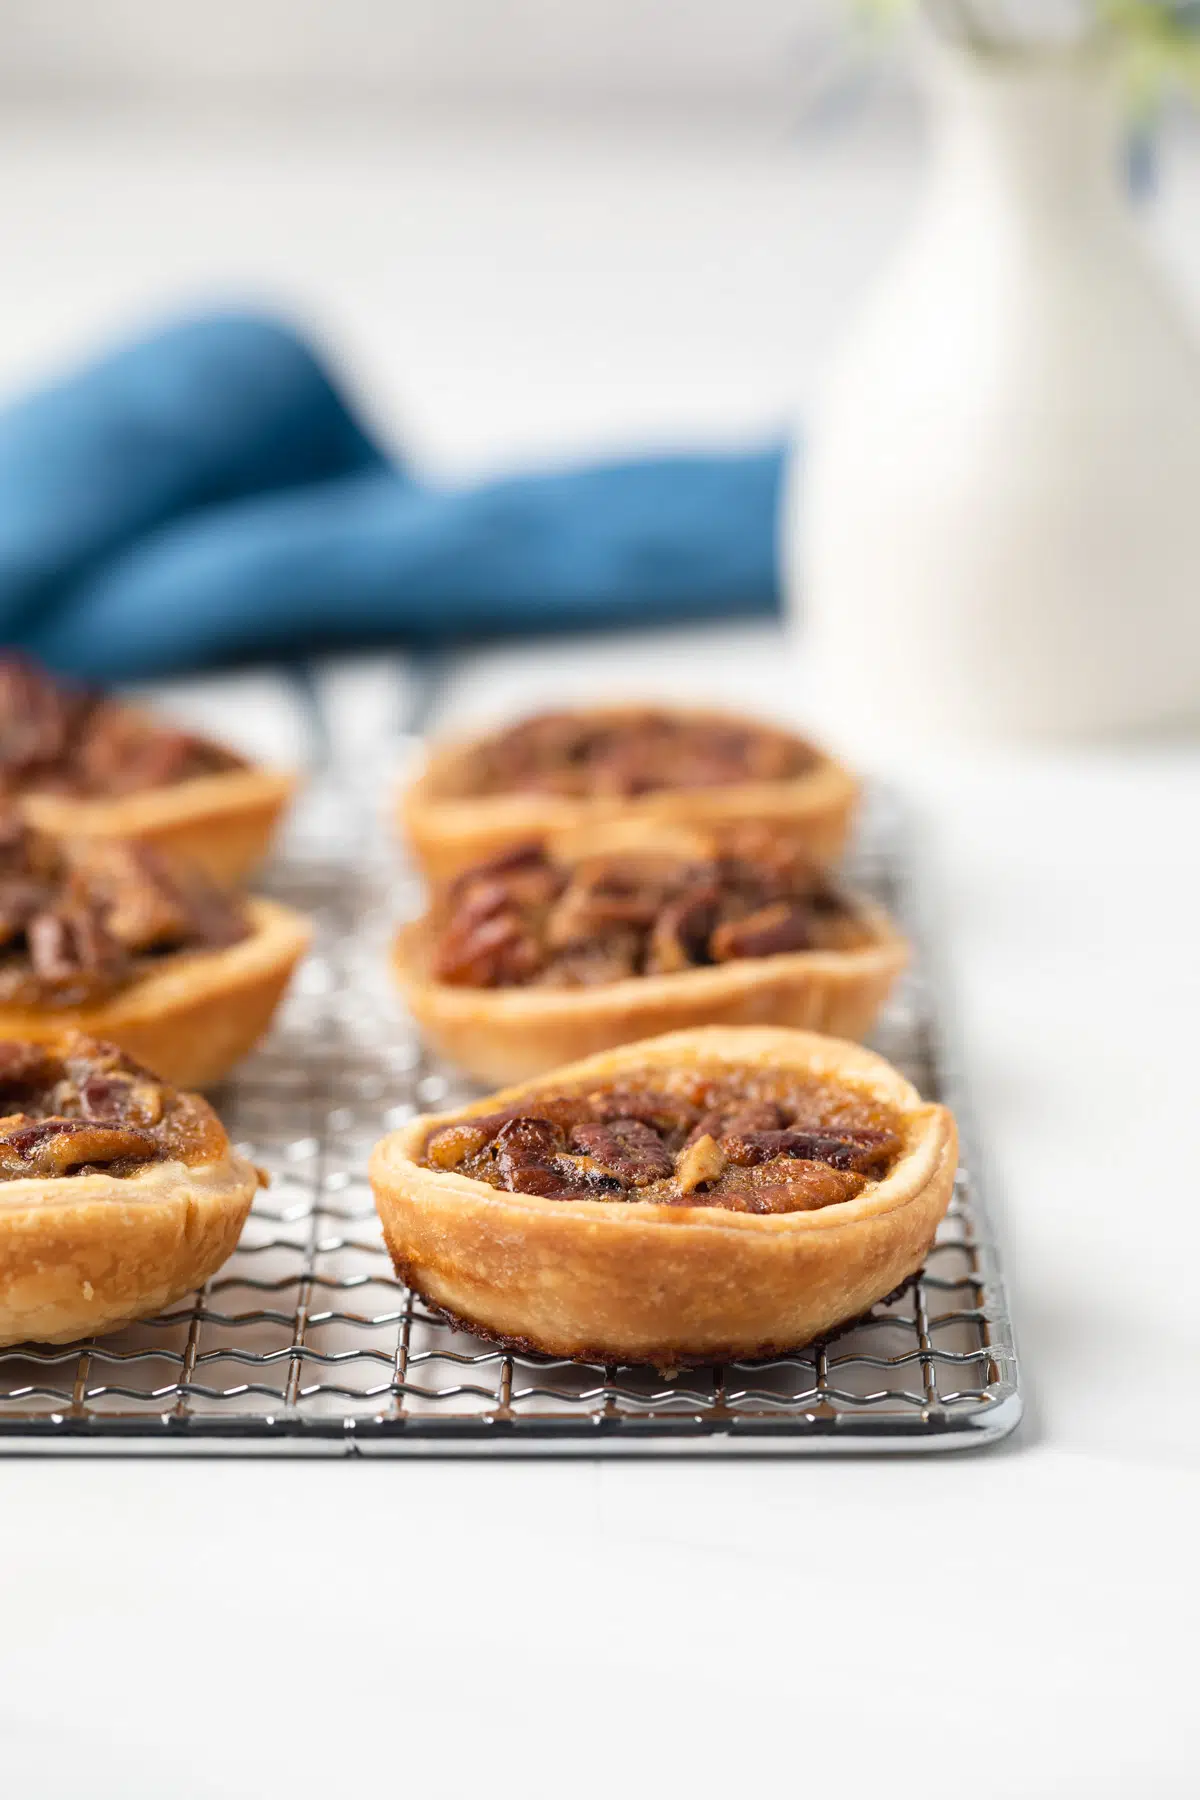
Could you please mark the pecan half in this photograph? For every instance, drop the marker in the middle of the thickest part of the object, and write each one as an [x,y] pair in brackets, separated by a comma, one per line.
[524,1151]
[618,892]
[120,1098]
[670,1115]
[73,958]
[781,926]
[862,1152]
[762,1115]
[627,1150]
[150,904]
[680,938]
[493,952]
[786,1186]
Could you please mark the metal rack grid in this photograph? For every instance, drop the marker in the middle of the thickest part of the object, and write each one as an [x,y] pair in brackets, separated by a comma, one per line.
[306,1343]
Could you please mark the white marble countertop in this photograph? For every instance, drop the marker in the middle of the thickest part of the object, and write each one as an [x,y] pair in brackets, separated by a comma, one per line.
[1011,1622]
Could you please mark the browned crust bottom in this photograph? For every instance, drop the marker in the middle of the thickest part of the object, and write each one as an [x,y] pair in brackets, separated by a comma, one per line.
[223,824]
[673,1360]
[197,1016]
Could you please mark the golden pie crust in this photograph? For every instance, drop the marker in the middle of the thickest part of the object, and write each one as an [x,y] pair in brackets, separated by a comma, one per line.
[222,823]
[191,1019]
[86,1253]
[637,1282]
[512,1034]
[449,831]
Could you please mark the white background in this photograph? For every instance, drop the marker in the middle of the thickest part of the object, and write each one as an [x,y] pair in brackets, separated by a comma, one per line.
[1013,1623]
[735,52]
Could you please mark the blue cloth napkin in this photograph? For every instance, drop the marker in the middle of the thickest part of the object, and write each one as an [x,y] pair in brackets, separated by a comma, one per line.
[207,494]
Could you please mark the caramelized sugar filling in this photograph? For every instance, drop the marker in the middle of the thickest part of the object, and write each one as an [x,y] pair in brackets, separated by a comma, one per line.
[749,1141]
[583,756]
[77,924]
[59,739]
[81,1107]
[525,920]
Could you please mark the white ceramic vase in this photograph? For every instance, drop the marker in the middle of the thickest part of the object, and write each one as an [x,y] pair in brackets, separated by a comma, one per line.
[996,532]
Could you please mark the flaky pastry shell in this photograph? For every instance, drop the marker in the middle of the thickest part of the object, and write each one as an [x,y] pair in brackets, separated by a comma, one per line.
[223,823]
[448,831]
[86,1253]
[512,1034]
[200,1012]
[630,1281]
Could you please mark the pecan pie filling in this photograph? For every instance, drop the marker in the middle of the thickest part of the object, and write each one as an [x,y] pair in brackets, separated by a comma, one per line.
[578,755]
[525,920]
[753,1142]
[79,1107]
[79,924]
[58,739]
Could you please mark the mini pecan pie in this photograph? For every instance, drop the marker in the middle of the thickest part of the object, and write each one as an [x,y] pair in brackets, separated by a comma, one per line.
[82,765]
[543,955]
[711,1194]
[113,938]
[668,765]
[117,1193]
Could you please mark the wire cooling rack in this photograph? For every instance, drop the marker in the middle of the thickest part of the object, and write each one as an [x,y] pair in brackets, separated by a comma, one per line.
[306,1343]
